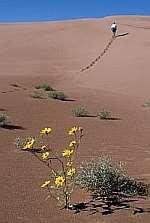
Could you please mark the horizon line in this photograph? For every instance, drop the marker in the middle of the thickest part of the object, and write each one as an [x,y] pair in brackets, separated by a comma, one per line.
[70,19]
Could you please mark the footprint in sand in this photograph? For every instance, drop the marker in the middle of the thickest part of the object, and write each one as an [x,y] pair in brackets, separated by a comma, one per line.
[101,55]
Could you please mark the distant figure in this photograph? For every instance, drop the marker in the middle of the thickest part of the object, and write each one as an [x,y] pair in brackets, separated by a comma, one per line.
[114,28]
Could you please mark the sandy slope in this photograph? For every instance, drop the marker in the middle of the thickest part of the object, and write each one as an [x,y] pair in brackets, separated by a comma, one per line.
[119,81]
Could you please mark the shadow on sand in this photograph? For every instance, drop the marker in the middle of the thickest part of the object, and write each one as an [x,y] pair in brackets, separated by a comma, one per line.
[107,207]
[12,127]
[121,35]
[112,119]
[2,109]
[68,99]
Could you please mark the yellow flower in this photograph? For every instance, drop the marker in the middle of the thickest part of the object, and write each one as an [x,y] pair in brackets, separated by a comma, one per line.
[68,153]
[45,155]
[46,183]
[72,143]
[29,144]
[71,172]
[69,163]
[45,131]
[59,181]
[73,130]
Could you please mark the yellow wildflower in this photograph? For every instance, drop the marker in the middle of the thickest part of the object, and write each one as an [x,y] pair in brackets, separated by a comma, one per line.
[68,153]
[29,144]
[46,183]
[45,131]
[73,130]
[45,155]
[72,143]
[59,181]
[71,172]
[69,163]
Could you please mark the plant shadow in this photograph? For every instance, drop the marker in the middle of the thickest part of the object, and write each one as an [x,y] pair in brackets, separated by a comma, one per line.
[112,119]
[15,85]
[87,116]
[12,127]
[2,109]
[68,99]
[107,207]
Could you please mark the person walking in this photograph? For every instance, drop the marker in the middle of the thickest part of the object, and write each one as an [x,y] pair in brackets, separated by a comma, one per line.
[114,28]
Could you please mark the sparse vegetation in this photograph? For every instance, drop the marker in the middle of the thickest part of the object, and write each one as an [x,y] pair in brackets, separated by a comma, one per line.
[104,114]
[59,95]
[80,111]
[3,120]
[37,95]
[51,92]
[108,182]
[45,87]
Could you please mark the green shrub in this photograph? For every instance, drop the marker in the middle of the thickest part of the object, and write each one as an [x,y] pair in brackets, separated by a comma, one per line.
[80,111]
[3,120]
[105,181]
[104,114]
[45,87]
[57,95]
[37,95]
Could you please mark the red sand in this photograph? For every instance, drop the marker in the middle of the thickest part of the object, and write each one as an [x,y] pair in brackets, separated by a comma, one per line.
[55,53]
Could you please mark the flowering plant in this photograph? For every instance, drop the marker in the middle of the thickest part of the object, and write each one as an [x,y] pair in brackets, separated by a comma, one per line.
[61,181]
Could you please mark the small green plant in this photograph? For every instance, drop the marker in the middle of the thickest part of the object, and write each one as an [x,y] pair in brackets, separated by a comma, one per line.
[3,120]
[59,95]
[37,95]
[104,114]
[45,87]
[80,111]
[108,182]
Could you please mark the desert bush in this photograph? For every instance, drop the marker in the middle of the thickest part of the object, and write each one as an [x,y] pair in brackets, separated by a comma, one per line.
[37,95]
[45,87]
[61,180]
[104,114]
[3,120]
[108,182]
[80,111]
[59,95]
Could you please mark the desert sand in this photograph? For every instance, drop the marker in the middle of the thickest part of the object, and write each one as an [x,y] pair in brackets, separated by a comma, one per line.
[56,52]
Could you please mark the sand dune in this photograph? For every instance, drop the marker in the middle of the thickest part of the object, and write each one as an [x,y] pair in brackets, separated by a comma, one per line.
[118,80]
